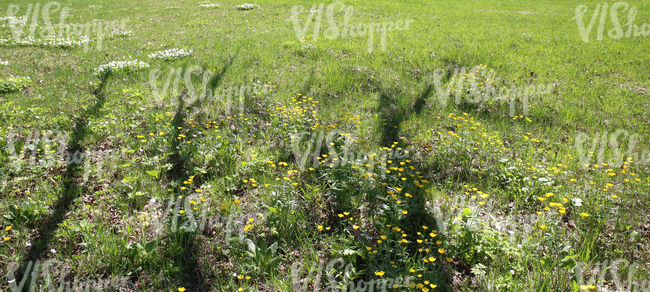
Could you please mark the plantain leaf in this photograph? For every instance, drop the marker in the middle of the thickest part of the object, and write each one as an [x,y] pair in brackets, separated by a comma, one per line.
[153,173]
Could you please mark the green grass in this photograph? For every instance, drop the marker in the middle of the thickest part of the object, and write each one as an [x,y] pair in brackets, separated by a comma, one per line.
[506,195]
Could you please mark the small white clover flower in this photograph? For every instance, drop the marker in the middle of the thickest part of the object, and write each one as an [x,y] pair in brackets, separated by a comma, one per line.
[15,21]
[120,33]
[59,42]
[246,6]
[171,54]
[121,66]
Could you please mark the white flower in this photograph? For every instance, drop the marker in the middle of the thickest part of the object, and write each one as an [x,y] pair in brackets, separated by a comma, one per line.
[28,244]
[120,33]
[4,62]
[15,21]
[246,6]
[59,42]
[119,66]
[53,251]
[171,54]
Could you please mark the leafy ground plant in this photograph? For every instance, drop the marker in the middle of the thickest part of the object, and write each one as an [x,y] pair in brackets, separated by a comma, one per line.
[14,84]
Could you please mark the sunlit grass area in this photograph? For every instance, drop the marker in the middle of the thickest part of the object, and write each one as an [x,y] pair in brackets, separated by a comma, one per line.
[313,146]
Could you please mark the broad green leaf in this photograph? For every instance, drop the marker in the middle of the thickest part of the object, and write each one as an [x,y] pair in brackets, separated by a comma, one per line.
[273,210]
[150,246]
[153,173]
[546,262]
[568,262]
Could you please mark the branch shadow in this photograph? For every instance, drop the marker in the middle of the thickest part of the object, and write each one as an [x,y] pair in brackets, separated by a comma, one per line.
[70,191]
[391,117]
[187,260]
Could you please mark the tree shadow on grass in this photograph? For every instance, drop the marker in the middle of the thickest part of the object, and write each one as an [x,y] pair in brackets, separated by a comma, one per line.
[179,163]
[185,255]
[69,189]
[391,116]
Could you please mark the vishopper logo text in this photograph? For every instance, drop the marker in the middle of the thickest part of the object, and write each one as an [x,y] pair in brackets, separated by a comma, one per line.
[62,34]
[613,144]
[345,284]
[191,214]
[479,85]
[597,273]
[617,31]
[347,30]
[339,139]
[170,86]
[48,270]
[48,149]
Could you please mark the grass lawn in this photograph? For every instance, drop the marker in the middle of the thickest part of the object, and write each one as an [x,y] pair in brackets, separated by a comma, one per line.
[312,146]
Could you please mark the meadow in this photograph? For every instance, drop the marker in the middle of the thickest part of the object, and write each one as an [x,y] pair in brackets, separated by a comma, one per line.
[324,146]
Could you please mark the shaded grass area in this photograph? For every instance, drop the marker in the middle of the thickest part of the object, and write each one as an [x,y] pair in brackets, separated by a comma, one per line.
[70,190]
